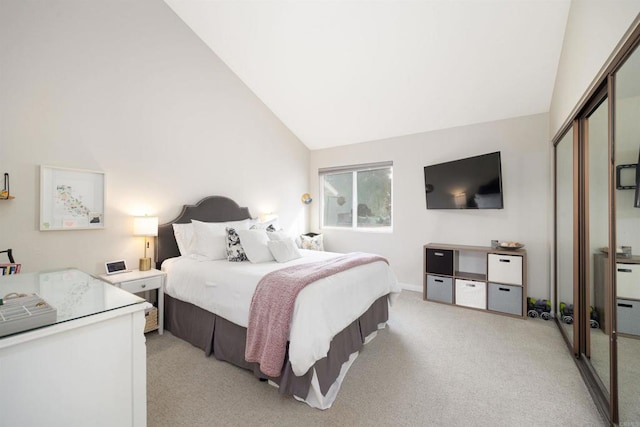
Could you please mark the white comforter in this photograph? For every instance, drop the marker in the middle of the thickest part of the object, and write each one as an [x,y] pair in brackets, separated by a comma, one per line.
[322,309]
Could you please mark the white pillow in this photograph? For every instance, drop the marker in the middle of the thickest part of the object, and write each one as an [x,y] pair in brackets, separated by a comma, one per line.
[254,243]
[278,235]
[184,236]
[284,250]
[273,223]
[210,238]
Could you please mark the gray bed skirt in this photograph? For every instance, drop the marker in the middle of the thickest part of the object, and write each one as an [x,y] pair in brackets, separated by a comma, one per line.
[226,341]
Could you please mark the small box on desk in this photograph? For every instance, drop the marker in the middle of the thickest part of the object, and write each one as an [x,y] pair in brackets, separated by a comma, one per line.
[22,313]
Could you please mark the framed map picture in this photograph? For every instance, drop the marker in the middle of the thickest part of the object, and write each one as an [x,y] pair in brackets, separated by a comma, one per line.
[71,199]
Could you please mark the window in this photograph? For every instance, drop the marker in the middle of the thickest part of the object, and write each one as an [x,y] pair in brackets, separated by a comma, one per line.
[363,189]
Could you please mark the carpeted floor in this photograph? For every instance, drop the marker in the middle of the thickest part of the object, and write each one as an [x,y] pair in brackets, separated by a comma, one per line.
[434,365]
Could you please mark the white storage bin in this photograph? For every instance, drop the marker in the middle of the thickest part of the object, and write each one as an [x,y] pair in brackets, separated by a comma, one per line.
[628,280]
[470,293]
[628,316]
[505,269]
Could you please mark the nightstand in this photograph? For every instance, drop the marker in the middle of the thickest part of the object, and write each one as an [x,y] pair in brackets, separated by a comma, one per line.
[136,281]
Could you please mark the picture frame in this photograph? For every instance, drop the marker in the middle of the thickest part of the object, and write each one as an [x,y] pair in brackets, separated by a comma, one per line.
[71,199]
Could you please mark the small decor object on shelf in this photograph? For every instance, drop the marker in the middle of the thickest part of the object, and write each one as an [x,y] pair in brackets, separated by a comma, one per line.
[5,194]
[626,252]
[12,267]
[6,269]
[619,252]
[510,245]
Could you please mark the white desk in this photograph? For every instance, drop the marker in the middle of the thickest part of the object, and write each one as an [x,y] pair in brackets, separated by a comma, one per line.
[88,368]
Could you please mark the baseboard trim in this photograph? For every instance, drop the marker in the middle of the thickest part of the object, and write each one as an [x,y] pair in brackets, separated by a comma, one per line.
[410,287]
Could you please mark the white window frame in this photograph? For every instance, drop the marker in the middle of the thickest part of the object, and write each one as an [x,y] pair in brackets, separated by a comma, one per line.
[354,169]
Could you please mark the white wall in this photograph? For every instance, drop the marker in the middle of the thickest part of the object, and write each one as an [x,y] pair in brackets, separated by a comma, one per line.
[126,88]
[525,149]
[594,29]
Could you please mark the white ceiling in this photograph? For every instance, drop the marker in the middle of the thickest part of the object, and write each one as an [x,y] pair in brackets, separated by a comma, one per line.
[343,72]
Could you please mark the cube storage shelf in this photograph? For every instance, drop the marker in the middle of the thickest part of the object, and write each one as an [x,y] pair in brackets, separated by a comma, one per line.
[477,277]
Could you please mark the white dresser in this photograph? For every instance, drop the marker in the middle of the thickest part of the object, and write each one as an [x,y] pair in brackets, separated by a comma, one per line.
[87,368]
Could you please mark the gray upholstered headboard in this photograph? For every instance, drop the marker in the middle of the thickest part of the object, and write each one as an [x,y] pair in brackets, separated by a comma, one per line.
[209,209]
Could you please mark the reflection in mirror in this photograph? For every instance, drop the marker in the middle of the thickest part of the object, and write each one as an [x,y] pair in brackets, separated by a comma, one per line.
[627,131]
[564,234]
[598,238]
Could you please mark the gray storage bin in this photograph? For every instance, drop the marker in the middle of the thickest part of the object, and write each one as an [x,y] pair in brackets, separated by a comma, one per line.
[505,299]
[628,316]
[440,289]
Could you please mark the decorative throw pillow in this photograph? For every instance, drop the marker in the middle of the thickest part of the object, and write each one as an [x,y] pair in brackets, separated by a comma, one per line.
[312,242]
[284,250]
[235,252]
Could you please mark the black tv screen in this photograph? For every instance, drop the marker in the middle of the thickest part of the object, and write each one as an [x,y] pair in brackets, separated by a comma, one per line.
[471,183]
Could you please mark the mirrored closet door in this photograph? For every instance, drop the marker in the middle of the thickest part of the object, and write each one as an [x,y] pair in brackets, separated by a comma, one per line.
[564,202]
[597,236]
[627,221]
[583,289]
[595,240]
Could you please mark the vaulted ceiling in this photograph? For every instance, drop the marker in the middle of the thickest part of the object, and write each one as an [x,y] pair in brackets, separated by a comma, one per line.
[344,72]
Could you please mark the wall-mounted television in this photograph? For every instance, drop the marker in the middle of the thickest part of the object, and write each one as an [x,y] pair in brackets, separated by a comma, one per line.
[471,183]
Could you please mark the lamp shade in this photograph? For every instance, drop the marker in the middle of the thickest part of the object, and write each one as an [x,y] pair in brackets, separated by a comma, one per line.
[145,226]
[266,217]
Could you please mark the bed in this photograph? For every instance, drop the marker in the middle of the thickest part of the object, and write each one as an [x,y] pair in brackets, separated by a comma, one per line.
[207,304]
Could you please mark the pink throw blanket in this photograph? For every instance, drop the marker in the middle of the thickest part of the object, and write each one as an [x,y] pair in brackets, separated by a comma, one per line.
[273,302]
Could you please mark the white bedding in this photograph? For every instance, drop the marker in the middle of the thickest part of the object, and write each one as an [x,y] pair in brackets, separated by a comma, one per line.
[322,309]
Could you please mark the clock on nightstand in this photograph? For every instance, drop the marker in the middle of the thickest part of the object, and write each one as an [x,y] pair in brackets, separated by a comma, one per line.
[137,281]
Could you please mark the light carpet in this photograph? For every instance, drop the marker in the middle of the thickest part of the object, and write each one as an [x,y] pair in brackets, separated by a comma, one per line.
[434,365]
